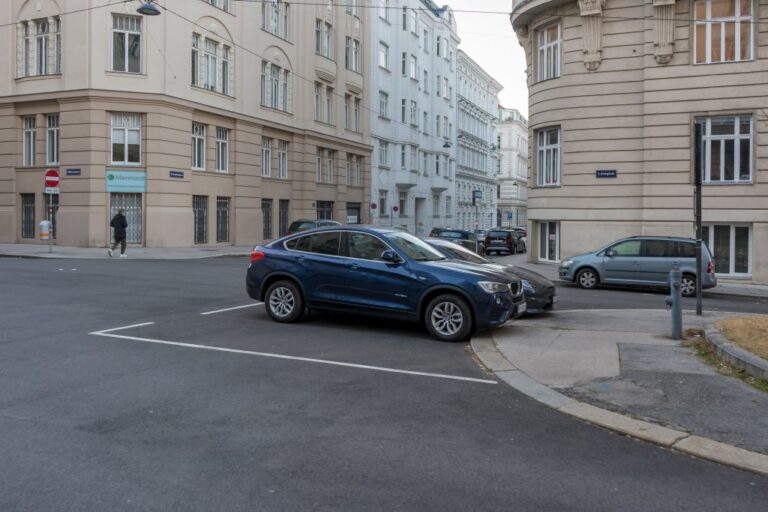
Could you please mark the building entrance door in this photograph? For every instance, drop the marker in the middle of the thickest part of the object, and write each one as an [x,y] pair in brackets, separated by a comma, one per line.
[131,203]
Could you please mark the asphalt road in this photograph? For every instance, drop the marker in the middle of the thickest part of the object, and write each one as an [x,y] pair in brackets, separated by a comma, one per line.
[231,411]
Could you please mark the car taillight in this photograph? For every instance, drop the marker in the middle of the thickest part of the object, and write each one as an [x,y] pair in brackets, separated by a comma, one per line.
[509,237]
[487,240]
[289,233]
[257,255]
[710,268]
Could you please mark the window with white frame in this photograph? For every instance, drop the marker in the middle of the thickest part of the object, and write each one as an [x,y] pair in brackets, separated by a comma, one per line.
[347,110]
[266,157]
[723,30]
[548,157]
[384,7]
[29,137]
[52,139]
[329,105]
[348,169]
[448,206]
[383,104]
[225,70]
[210,64]
[403,110]
[39,43]
[282,159]
[318,102]
[403,200]
[383,153]
[225,5]
[425,123]
[275,87]
[383,55]
[548,44]
[222,149]
[42,46]
[731,247]
[435,205]
[404,64]
[196,59]
[323,38]
[438,46]
[358,170]
[425,163]
[275,17]
[414,158]
[403,156]
[383,202]
[549,241]
[726,148]
[414,113]
[425,82]
[352,54]
[319,165]
[413,68]
[126,138]
[330,157]
[356,106]
[198,146]
[126,43]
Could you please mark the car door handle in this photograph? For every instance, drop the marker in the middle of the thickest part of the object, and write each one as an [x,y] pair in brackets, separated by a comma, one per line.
[354,266]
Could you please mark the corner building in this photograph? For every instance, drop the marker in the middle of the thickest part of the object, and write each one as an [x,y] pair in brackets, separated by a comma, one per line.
[217,122]
[628,100]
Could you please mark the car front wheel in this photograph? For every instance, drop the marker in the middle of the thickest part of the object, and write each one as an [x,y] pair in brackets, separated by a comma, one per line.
[448,318]
[284,302]
[587,279]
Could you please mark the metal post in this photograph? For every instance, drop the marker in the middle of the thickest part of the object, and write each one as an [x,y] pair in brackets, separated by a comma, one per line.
[50,223]
[697,213]
[675,302]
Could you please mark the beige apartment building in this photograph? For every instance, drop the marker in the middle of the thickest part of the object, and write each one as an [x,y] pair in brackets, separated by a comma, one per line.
[216,122]
[628,100]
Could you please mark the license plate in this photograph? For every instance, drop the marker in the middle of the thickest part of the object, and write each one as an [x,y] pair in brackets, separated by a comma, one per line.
[521,308]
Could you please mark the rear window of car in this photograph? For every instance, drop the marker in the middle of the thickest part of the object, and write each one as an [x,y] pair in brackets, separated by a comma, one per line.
[498,234]
[687,249]
[450,234]
[300,226]
[320,243]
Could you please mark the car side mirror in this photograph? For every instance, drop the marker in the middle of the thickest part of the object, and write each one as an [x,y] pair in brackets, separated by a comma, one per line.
[610,253]
[390,256]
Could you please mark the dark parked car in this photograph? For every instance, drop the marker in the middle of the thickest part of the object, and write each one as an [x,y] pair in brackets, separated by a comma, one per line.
[466,239]
[384,272]
[504,240]
[305,224]
[539,291]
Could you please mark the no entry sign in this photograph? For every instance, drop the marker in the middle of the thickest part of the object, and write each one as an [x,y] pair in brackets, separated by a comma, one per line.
[51,178]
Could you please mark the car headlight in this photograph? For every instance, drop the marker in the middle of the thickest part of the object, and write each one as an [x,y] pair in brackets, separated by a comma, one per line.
[494,287]
[566,263]
[527,286]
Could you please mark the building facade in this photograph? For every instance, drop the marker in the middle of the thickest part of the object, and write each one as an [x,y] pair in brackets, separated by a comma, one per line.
[214,123]
[413,52]
[629,101]
[512,141]
[477,158]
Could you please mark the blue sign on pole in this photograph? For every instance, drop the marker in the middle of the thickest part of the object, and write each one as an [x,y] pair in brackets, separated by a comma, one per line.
[509,215]
[126,181]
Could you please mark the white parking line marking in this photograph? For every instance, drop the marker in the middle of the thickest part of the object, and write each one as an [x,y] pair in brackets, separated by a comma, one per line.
[230,309]
[106,333]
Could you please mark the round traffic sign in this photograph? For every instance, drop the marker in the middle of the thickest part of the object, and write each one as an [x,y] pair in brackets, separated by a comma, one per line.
[373,206]
[395,209]
[51,178]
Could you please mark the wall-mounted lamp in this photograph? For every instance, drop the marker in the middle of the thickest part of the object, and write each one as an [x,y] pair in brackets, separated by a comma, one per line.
[148,9]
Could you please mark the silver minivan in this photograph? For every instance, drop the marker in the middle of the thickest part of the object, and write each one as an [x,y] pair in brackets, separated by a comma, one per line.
[641,261]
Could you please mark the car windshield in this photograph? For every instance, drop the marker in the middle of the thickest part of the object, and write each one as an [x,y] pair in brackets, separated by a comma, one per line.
[463,254]
[450,234]
[414,247]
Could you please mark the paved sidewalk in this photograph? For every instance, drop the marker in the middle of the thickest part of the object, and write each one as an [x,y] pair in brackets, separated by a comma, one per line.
[140,253]
[619,369]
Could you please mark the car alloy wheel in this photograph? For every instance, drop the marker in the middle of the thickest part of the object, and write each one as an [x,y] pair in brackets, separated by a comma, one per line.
[587,279]
[688,286]
[284,302]
[448,318]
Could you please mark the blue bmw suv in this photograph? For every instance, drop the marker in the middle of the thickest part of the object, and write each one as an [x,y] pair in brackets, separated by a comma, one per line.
[383,272]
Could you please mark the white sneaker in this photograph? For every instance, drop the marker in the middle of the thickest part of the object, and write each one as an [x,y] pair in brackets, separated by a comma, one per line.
[109,251]
[123,255]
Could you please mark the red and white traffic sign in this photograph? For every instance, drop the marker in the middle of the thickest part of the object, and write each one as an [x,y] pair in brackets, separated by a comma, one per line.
[51,178]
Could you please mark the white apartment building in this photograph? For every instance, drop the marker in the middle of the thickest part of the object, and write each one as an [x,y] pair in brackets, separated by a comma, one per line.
[413,55]
[512,141]
[217,122]
[476,160]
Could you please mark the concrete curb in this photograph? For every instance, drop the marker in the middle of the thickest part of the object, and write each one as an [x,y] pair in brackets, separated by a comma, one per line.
[486,351]
[735,355]
[55,256]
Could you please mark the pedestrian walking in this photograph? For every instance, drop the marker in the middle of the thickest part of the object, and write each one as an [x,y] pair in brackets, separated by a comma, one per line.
[119,223]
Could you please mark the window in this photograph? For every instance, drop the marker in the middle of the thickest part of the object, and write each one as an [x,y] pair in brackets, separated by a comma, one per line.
[723,31]
[225,87]
[354,173]
[27,215]
[29,136]
[549,241]
[266,219]
[352,54]
[323,38]
[196,59]
[353,7]
[52,136]
[725,149]
[627,249]
[383,153]
[413,68]
[356,114]
[403,108]
[384,10]
[198,146]
[266,157]
[126,43]
[402,156]
[200,219]
[275,87]
[210,63]
[329,171]
[321,243]
[383,202]
[221,4]
[731,247]
[445,88]
[425,123]
[282,159]
[222,219]
[426,41]
[426,81]
[438,47]
[425,163]
[435,205]
[414,158]
[358,169]
[40,47]
[548,161]
[325,212]
[383,55]
[275,18]
[383,104]
[222,149]
[318,102]
[348,170]
[437,126]
[282,217]
[448,206]
[365,247]
[404,64]
[329,105]
[549,52]
[403,203]
[126,139]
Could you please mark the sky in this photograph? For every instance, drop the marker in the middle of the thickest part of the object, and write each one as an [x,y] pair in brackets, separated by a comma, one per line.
[491,42]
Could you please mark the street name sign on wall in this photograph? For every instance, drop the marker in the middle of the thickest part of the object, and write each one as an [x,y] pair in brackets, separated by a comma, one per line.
[73,172]
[606,173]
[176,174]
[126,181]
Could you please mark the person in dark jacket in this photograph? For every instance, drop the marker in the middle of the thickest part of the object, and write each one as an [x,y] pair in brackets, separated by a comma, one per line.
[120,224]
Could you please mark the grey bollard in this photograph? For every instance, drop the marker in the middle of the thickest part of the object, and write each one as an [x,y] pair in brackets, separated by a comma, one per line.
[675,303]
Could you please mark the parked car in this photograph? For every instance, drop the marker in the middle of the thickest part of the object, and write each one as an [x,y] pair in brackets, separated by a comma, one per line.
[462,237]
[538,290]
[641,261]
[305,224]
[383,272]
[504,240]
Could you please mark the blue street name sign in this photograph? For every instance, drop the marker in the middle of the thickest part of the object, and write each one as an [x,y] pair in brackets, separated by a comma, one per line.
[73,172]
[176,174]
[605,173]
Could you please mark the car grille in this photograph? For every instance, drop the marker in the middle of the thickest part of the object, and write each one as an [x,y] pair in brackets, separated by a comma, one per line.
[515,287]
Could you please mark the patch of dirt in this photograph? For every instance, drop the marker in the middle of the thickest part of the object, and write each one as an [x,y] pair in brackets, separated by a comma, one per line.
[749,332]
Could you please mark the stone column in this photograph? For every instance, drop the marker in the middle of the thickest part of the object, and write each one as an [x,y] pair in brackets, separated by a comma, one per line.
[591,13]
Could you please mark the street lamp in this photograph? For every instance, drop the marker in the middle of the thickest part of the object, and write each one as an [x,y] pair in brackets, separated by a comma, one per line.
[148,9]
[447,145]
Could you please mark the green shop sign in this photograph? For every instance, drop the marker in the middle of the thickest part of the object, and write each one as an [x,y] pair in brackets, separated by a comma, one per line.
[126,181]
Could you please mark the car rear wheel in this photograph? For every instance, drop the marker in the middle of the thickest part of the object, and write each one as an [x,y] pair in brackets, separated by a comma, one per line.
[284,302]
[587,279]
[448,318]
[688,285]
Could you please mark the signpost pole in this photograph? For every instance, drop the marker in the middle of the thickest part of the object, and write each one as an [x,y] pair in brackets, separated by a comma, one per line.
[50,223]
[697,213]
